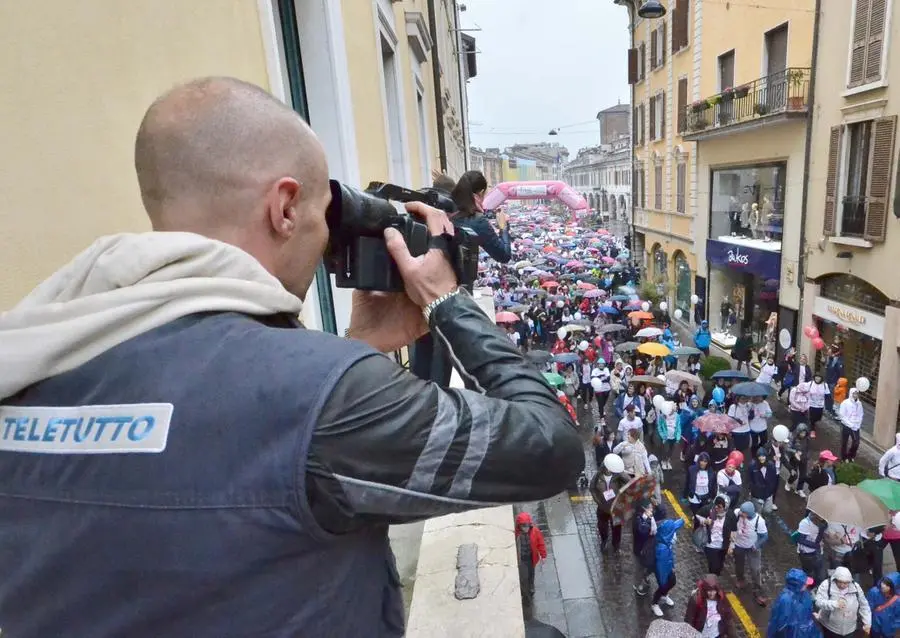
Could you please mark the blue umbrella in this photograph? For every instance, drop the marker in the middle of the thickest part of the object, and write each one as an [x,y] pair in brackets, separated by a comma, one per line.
[566,357]
[751,389]
[619,298]
[608,310]
[730,374]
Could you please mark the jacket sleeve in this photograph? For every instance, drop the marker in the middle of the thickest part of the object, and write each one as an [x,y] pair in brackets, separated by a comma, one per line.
[822,599]
[865,612]
[497,246]
[541,545]
[390,448]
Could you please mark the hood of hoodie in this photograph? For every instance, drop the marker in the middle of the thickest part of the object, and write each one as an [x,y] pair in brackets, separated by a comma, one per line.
[894,577]
[665,531]
[523,518]
[123,286]
[795,580]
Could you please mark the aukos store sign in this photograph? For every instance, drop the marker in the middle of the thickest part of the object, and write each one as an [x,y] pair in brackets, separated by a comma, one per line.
[868,323]
[765,264]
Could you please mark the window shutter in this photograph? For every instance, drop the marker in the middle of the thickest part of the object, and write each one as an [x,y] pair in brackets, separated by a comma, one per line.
[642,59]
[675,23]
[653,52]
[643,122]
[632,66]
[834,148]
[662,115]
[879,188]
[682,104]
[874,41]
[860,36]
[662,43]
[684,19]
[652,118]
[634,126]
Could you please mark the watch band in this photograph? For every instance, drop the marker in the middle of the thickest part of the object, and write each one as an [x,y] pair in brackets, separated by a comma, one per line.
[427,310]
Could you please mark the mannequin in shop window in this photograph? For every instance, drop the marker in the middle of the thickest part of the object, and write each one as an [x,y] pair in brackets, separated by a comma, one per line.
[725,311]
[765,218]
[734,216]
[743,222]
[755,231]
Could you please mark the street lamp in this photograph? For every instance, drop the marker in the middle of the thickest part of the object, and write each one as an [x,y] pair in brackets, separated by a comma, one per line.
[652,9]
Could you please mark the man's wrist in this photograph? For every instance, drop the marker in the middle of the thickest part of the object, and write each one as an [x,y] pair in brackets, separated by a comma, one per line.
[433,305]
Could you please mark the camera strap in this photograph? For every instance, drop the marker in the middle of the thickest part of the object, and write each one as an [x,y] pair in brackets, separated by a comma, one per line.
[446,243]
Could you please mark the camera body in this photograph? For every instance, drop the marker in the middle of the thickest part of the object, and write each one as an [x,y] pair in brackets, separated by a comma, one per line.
[357,254]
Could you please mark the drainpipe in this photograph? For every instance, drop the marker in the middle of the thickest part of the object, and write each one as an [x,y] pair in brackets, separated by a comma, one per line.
[436,80]
[462,62]
[801,266]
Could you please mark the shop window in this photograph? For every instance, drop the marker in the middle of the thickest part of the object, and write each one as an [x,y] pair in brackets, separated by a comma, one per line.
[660,265]
[747,205]
[854,292]
[683,277]
[858,180]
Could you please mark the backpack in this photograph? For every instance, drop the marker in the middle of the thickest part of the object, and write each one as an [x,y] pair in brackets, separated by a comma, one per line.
[648,553]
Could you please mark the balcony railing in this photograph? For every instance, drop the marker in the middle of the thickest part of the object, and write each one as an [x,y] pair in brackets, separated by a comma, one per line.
[783,92]
[853,216]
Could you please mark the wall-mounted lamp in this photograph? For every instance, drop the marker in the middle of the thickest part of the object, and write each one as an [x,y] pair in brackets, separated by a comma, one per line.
[652,9]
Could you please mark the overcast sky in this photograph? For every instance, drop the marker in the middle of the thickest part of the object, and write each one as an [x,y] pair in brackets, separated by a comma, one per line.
[544,64]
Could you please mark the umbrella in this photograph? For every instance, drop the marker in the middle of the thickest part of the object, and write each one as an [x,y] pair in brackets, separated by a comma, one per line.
[638,488]
[611,327]
[680,375]
[593,294]
[554,379]
[519,308]
[608,310]
[549,284]
[846,505]
[628,346]
[887,490]
[647,379]
[566,357]
[648,333]
[573,327]
[640,314]
[536,629]
[716,423]
[685,351]
[539,356]
[586,286]
[654,349]
[506,317]
[619,298]
[627,290]
[751,389]
[669,629]
[730,374]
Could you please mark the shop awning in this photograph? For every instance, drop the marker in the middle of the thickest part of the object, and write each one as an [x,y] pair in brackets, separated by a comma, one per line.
[762,263]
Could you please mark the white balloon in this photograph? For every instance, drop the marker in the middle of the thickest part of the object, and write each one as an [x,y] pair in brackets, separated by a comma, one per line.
[577,316]
[781,433]
[645,306]
[521,271]
[694,299]
[583,345]
[658,401]
[663,306]
[561,333]
[578,283]
[560,303]
[668,408]
[614,463]
[863,384]
[678,313]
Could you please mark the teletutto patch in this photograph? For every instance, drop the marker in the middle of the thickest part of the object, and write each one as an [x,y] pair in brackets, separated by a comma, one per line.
[86,429]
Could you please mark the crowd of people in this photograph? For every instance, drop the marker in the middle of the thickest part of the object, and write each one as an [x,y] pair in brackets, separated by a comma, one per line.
[571,298]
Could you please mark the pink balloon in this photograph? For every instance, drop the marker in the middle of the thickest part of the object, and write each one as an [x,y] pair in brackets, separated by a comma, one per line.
[818,343]
[811,332]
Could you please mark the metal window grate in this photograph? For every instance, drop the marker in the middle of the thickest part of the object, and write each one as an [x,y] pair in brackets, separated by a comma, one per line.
[853,291]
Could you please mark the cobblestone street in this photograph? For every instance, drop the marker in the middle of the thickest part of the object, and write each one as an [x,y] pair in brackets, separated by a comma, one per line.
[621,613]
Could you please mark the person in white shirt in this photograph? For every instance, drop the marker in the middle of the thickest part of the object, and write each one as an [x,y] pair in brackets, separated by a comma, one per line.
[634,454]
[601,382]
[818,390]
[851,414]
[729,481]
[759,415]
[586,389]
[767,372]
[889,464]
[840,539]
[809,535]
[842,605]
[631,421]
[749,535]
[740,436]
[513,335]
[713,520]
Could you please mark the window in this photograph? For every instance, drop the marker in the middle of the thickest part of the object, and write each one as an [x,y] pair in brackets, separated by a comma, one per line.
[642,61]
[682,104]
[394,114]
[424,160]
[681,20]
[858,181]
[855,292]
[660,265]
[747,205]
[641,125]
[654,49]
[660,116]
[682,284]
[726,70]
[652,118]
[658,186]
[680,184]
[867,42]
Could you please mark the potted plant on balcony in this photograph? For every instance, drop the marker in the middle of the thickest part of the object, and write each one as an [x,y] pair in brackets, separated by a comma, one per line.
[741,91]
[712,101]
[728,94]
[699,106]
[796,100]
[761,108]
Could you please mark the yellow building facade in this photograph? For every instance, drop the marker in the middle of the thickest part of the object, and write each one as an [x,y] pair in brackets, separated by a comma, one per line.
[661,71]
[852,239]
[748,119]
[80,79]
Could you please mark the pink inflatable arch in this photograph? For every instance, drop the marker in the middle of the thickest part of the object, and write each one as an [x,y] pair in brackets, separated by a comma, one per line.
[534,190]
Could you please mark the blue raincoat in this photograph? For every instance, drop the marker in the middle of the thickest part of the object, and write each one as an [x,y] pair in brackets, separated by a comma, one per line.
[703,338]
[887,621]
[792,613]
[665,554]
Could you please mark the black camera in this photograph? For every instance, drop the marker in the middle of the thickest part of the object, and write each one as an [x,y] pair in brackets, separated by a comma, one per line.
[357,254]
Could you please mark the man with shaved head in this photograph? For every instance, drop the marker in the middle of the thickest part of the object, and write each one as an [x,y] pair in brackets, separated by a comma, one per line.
[180,457]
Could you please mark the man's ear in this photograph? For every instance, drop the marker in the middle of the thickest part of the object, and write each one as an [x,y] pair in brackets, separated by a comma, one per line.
[283,203]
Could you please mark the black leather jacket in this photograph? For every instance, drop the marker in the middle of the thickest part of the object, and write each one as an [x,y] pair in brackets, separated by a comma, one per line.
[391,448]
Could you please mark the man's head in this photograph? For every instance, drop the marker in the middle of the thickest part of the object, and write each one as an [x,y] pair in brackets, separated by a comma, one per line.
[222,158]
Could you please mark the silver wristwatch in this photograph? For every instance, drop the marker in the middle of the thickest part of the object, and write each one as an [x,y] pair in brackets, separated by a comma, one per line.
[427,310]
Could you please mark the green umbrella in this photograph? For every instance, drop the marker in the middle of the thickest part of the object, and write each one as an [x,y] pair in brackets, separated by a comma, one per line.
[684,351]
[554,379]
[887,490]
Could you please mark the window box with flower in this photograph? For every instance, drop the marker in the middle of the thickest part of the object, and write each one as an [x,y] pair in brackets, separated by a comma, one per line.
[699,106]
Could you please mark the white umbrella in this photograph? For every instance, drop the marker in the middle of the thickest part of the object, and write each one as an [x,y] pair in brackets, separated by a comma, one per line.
[648,333]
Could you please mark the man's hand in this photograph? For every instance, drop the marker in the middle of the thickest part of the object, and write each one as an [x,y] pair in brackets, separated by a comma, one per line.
[389,321]
[430,276]
[501,220]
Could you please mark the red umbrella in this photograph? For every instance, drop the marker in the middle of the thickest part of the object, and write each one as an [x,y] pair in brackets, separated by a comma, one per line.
[586,286]
[549,284]
[574,264]
[716,423]
[506,317]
